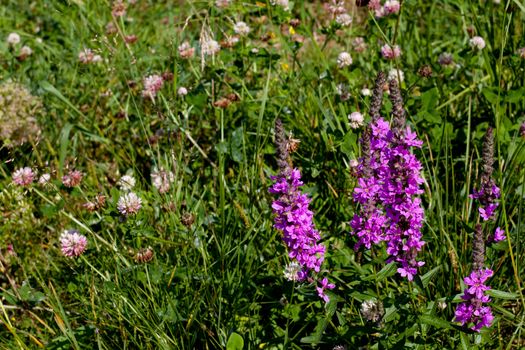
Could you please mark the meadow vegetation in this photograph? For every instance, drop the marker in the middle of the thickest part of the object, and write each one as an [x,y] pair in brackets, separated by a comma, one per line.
[262,174]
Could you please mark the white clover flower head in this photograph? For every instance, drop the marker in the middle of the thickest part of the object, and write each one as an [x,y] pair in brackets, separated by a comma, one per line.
[372,310]
[344,19]
[222,3]
[396,74]
[44,179]
[25,51]
[126,182]
[152,84]
[477,42]
[356,120]
[182,91]
[241,28]
[13,38]
[391,7]
[366,92]
[344,59]
[285,4]
[186,50]
[210,47]
[354,163]
[292,271]
[129,204]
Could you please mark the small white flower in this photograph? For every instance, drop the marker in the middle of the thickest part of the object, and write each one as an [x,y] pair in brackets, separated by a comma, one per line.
[129,204]
[366,92]
[354,163]
[344,19]
[241,28]
[25,51]
[162,180]
[477,42]
[356,120]
[210,47]
[182,91]
[126,182]
[44,179]
[292,270]
[13,39]
[285,4]
[344,59]
[396,74]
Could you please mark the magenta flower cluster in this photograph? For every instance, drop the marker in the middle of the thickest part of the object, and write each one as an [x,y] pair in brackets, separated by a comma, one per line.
[294,219]
[388,186]
[472,310]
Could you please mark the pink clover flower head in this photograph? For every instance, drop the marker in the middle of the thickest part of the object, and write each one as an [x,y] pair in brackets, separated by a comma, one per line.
[324,286]
[72,243]
[152,84]
[23,176]
[391,7]
[521,52]
[72,178]
[359,44]
[129,204]
[186,51]
[344,19]
[344,59]
[241,28]
[210,47]
[472,311]
[390,52]
[87,56]
[162,180]
[477,42]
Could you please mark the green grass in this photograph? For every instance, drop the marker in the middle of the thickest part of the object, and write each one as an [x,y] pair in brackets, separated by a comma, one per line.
[223,274]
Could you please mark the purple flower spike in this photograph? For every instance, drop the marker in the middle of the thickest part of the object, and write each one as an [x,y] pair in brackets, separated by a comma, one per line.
[472,311]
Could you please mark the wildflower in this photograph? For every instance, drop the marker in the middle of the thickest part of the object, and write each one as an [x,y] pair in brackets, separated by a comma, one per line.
[144,255]
[162,180]
[241,28]
[344,19]
[25,51]
[389,181]
[337,7]
[425,71]
[324,286]
[521,52]
[182,91]
[488,192]
[13,39]
[152,84]
[396,74]
[129,204]
[126,182]
[445,59]
[186,51]
[23,176]
[222,3]
[72,178]
[44,179]
[118,9]
[472,311]
[356,120]
[292,271]
[131,39]
[342,91]
[344,59]
[391,7]
[372,310]
[293,217]
[19,110]
[359,44]
[499,235]
[390,52]
[477,42]
[187,219]
[87,56]
[285,4]
[210,47]
[73,244]
[366,92]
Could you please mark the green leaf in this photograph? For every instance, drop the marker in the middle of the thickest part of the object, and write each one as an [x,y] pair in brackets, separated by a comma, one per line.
[425,279]
[499,294]
[434,321]
[235,342]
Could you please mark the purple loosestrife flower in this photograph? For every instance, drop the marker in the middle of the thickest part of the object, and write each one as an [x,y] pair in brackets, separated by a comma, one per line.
[293,217]
[388,185]
[472,311]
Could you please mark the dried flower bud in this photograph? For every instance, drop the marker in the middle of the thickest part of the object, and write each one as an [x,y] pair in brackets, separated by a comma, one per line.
[425,71]
[144,255]
[222,103]
[187,219]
